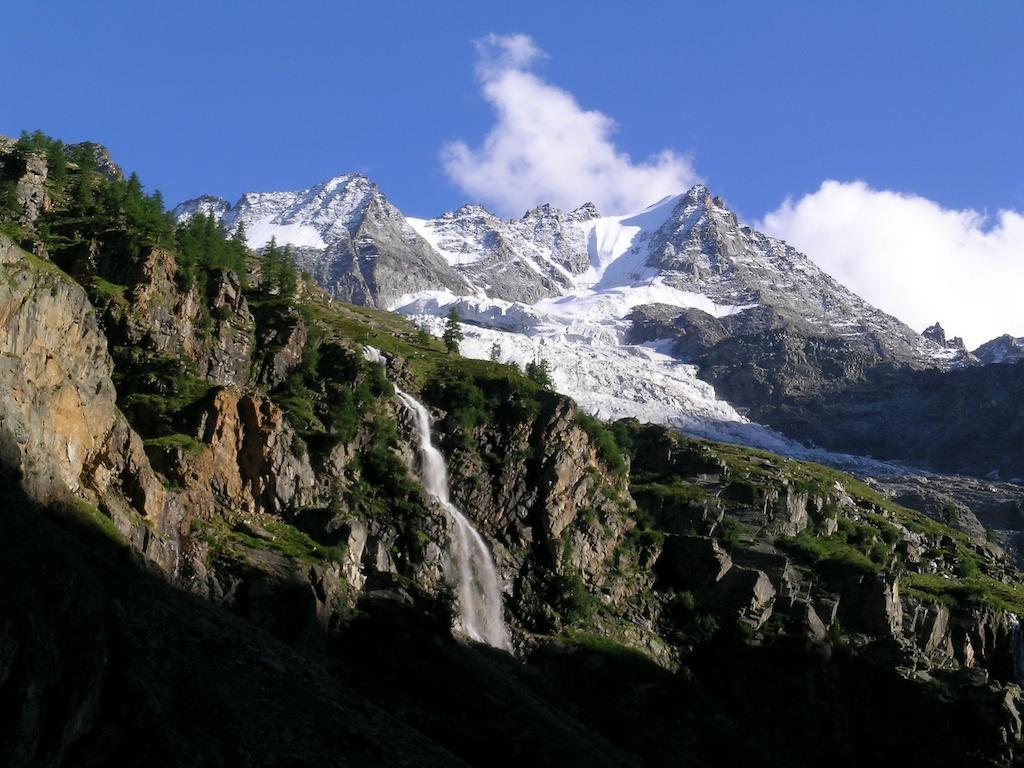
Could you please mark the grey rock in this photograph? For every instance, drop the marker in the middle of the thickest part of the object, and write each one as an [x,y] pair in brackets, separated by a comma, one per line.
[101,158]
[1004,349]
[59,425]
[30,189]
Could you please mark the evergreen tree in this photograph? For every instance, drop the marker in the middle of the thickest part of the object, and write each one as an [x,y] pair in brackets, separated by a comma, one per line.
[24,143]
[83,191]
[279,274]
[132,204]
[287,275]
[56,165]
[268,267]
[239,237]
[158,222]
[495,352]
[452,332]
[83,200]
[539,372]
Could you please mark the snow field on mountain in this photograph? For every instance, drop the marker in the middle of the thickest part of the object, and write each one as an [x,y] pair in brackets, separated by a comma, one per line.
[426,229]
[614,381]
[298,235]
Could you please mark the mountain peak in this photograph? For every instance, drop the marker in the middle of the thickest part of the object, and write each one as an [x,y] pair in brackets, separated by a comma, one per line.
[356,178]
[699,193]
[205,205]
[586,212]
[936,333]
[468,210]
[544,209]
[1002,349]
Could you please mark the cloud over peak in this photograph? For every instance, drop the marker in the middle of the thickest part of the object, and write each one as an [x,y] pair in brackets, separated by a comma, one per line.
[906,254]
[544,147]
[912,257]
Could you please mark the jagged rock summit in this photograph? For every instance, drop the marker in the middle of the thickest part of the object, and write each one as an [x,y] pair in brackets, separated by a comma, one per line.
[344,233]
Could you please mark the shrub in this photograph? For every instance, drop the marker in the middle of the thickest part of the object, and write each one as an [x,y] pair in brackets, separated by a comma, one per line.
[729,531]
[607,446]
[576,605]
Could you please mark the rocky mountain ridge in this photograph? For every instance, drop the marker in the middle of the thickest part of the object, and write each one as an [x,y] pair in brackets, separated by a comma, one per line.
[693,242]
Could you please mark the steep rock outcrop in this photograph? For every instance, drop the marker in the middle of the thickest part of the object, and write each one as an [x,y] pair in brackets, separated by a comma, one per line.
[243,462]
[209,326]
[1005,349]
[31,189]
[60,427]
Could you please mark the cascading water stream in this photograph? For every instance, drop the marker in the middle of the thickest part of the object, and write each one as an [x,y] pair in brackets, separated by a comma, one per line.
[478,590]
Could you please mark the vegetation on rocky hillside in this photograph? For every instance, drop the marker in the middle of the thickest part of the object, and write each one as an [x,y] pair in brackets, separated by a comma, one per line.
[670,599]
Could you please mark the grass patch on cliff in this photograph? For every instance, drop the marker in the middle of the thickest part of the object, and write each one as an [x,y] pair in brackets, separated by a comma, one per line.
[101,290]
[968,592]
[91,514]
[504,392]
[290,541]
[386,331]
[176,441]
[670,495]
[477,393]
[605,646]
[604,439]
[828,552]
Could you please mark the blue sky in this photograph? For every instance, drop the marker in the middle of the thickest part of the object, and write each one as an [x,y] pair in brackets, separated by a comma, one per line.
[770,98]
[763,101]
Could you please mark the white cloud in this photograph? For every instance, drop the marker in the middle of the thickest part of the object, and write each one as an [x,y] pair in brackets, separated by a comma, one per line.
[913,258]
[543,147]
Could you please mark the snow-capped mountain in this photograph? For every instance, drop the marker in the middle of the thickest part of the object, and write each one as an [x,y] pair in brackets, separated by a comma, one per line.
[538,256]
[686,251]
[344,232]
[207,205]
[1002,349]
[579,290]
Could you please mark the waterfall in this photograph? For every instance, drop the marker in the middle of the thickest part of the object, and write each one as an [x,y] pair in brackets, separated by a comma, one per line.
[1017,648]
[478,590]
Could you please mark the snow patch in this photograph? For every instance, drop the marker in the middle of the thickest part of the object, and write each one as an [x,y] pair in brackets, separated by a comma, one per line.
[299,235]
[428,231]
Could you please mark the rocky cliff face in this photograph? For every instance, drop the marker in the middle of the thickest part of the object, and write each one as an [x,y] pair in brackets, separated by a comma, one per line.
[61,431]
